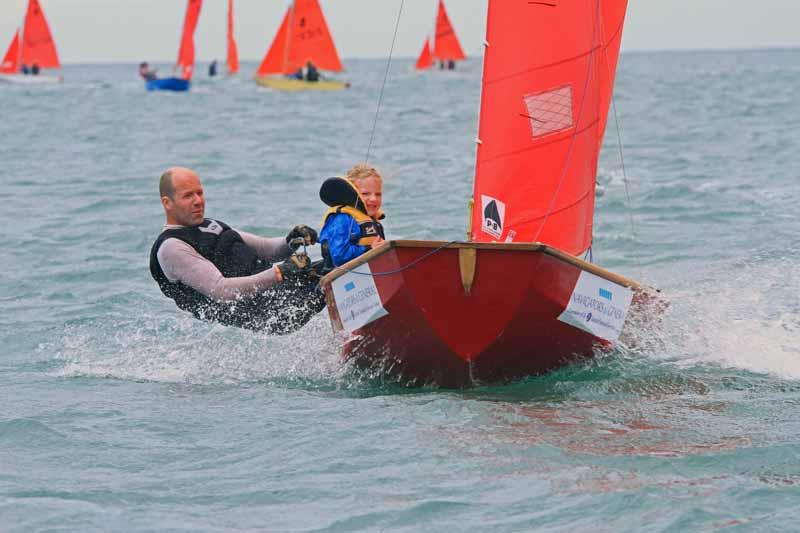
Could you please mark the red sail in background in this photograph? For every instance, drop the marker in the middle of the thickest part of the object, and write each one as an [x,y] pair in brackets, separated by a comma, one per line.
[10,63]
[310,39]
[37,42]
[233,53]
[446,46]
[186,53]
[303,36]
[543,111]
[276,55]
[425,59]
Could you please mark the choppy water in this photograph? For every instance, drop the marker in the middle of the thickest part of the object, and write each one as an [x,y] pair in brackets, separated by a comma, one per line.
[120,412]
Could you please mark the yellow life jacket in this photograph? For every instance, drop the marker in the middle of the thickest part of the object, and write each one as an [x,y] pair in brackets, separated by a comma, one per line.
[369,228]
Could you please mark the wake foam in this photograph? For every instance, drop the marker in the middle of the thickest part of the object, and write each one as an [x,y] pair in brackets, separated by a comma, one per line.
[744,316]
[179,349]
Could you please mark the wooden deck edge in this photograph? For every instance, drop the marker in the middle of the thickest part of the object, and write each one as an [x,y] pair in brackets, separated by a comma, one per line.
[519,247]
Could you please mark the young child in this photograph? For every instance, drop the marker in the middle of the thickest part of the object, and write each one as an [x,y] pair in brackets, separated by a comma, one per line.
[351,225]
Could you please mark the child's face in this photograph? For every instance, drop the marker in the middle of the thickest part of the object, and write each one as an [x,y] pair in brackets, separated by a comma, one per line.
[371,190]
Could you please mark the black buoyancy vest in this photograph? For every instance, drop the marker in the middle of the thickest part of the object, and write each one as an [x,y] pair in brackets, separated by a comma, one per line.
[223,246]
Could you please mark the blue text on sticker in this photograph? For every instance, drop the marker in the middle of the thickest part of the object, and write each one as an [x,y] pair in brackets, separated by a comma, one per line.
[606,294]
[350,286]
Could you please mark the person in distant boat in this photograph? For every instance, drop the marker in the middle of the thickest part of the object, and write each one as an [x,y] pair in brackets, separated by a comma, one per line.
[312,74]
[298,74]
[24,69]
[451,64]
[35,69]
[352,224]
[212,68]
[146,73]
[228,276]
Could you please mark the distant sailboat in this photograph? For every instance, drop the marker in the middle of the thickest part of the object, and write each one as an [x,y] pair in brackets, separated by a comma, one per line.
[303,36]
[33,46]
[446,48]
[425,59]
[185,64]
[233,53]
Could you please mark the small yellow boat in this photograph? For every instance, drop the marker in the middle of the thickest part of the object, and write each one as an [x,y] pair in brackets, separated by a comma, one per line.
[292,85]
[303,41]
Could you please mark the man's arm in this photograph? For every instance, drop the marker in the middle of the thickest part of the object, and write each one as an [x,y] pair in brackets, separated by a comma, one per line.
[269,248]
[180,262]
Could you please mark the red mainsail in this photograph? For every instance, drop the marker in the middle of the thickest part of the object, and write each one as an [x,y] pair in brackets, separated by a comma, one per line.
[543,112]
[425,59]
[303,36]
[233,53]
[446,46]
[186,53]
[275,59]
[38,46]
[10,64]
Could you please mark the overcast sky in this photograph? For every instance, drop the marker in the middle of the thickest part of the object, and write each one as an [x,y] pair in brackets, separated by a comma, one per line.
[135,30]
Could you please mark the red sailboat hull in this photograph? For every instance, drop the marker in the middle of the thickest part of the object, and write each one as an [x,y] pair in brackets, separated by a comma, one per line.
[462,314]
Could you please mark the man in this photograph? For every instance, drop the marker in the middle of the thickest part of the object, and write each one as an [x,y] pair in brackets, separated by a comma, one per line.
[226,276]
[146,73]
[312,74]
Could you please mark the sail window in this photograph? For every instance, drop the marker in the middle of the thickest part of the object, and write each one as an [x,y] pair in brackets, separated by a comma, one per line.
[550,111]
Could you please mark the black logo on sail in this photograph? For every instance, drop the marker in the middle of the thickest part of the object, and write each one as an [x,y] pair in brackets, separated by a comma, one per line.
[492,219]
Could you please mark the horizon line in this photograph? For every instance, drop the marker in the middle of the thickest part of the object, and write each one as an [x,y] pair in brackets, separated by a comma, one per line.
[406,57]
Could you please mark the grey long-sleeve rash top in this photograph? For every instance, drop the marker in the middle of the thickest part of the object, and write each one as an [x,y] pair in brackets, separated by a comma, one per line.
[180,262]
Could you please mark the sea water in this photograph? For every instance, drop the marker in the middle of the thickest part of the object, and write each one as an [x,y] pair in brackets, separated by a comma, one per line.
[120,412]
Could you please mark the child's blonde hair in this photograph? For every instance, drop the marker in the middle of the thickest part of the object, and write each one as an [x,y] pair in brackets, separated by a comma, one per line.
[363,171]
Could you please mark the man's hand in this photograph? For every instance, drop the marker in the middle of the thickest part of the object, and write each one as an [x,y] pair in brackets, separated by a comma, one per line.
[300,235]
[297,267]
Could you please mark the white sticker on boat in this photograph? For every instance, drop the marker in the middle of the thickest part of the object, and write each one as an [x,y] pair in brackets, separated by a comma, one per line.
[357,298]
[494,213]
[598,306]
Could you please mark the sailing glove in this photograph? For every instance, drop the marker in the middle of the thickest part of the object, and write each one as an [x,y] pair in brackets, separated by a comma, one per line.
[295,269]
[301,235]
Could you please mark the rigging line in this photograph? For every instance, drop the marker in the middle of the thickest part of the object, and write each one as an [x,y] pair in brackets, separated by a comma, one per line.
[385,77]
[571,149]
[636,255]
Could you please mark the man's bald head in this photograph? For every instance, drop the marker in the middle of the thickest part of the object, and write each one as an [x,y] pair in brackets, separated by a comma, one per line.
[182,196]
[166,185]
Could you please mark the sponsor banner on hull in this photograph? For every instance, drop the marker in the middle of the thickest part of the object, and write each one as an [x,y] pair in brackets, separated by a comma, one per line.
[357,298]
[598,306]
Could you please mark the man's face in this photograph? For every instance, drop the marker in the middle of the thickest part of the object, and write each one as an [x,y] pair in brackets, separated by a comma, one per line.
[188,205]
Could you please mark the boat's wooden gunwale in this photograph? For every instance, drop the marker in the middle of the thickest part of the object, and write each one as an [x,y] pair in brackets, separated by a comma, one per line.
[517,247]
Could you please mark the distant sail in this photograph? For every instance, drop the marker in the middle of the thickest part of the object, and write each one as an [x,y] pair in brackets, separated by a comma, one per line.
[10,64]
[186,53]
[543,112]
[425,59]
[276,55]
[37,42]
[303,36]
[233,53]
[446,46]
